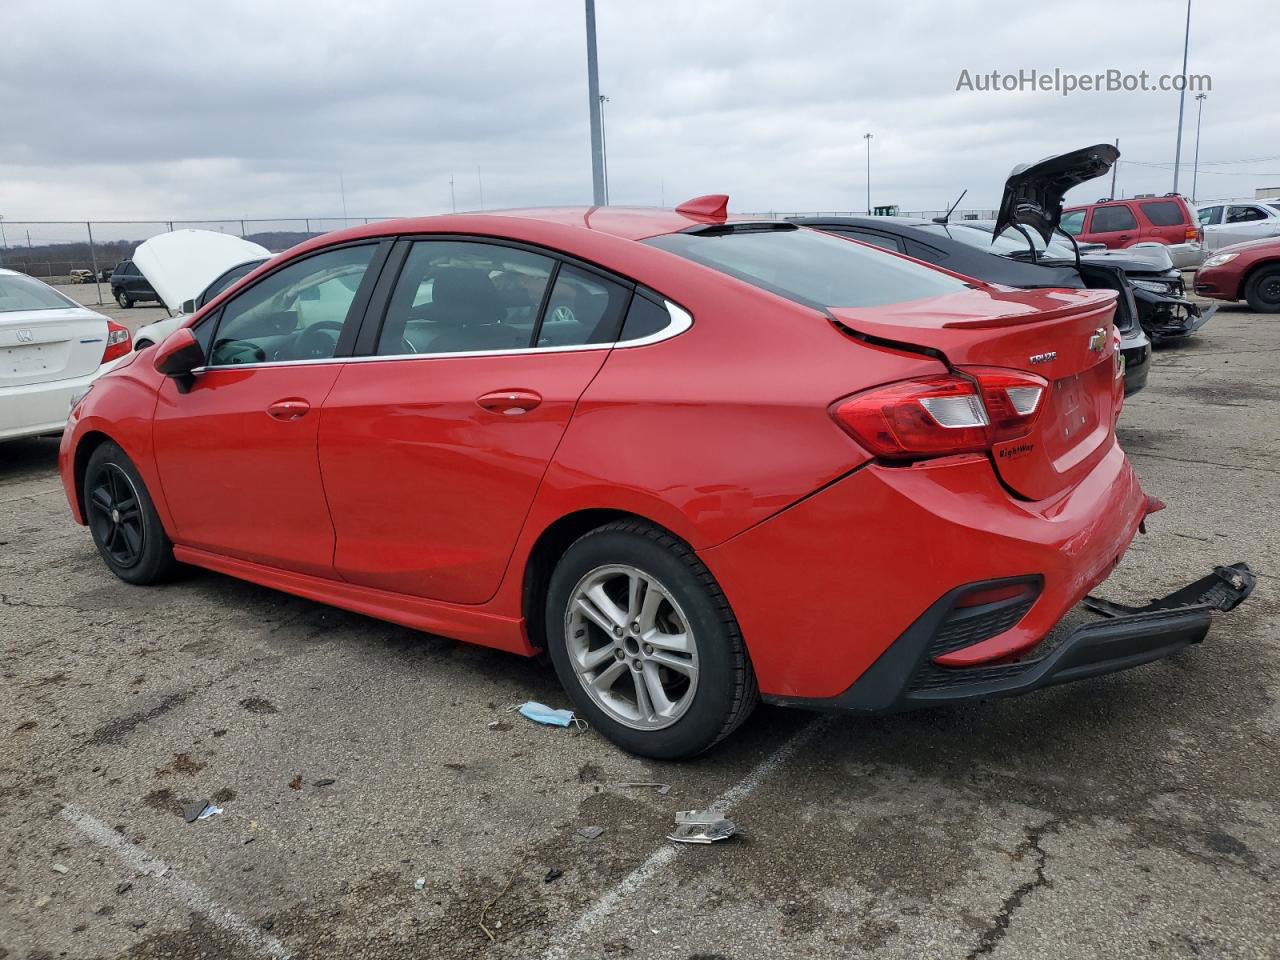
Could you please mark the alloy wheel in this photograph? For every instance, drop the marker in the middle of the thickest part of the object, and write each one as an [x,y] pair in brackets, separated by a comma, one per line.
[115,515]
[632,647]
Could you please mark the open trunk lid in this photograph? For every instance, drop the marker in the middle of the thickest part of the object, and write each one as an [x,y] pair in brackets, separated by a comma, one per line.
[1034,191]
[1064,336]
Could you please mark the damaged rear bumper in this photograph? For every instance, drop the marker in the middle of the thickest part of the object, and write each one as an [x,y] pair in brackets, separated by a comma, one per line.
[908,675]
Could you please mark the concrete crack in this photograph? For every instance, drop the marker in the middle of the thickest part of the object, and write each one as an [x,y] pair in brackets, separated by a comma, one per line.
[992,936]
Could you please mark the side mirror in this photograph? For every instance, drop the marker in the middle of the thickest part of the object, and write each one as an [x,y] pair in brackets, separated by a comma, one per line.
[178,354]
[188,307]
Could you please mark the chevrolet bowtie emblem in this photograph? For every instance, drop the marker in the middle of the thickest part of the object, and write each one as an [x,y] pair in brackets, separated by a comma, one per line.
[1098,340]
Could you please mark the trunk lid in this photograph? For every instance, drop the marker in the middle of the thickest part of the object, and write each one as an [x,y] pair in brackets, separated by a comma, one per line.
[40,346]
[1034,191]
[1063,336]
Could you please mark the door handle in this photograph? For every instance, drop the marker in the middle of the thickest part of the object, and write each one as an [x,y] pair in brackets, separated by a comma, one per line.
[291,409]
[509,402]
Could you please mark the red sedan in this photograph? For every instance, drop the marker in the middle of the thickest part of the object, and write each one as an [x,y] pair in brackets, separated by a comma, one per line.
[1244,271]
[699,461]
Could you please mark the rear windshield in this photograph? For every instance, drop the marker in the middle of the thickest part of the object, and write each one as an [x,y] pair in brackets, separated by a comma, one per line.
[816,269]
[27,293]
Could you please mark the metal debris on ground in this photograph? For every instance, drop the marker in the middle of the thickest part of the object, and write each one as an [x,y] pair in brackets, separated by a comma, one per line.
[701,826]
[590,833]
[191,811]
[662,788]
[549,716]
[209,811]
[555,873]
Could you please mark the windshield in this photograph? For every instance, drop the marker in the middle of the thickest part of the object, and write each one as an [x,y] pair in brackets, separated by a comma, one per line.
[1010,244]
[18,292]
[816,269]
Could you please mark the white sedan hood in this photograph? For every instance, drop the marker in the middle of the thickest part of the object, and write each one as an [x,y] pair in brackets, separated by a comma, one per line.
[179,265]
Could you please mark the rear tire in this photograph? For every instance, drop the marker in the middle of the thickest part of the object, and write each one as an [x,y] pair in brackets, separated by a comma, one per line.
[669,678]
[1263,290]
[123,521]
[123,298]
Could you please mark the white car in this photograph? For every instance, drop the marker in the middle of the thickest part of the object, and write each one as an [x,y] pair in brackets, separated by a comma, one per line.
[51,349]
[1225,222]
[187,269]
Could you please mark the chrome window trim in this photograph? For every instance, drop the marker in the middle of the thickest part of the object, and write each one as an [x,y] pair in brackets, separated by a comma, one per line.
[681,320]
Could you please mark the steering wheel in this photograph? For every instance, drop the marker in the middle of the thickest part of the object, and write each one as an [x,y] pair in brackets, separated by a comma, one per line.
[314,343]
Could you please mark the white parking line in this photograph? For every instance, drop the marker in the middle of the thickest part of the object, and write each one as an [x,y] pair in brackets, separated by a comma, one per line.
[186,891]
[664,855]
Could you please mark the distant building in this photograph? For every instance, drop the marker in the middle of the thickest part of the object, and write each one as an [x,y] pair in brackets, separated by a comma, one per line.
[1267,193]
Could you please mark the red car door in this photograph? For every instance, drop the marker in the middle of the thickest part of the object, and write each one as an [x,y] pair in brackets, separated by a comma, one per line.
[237,449]
[1112,224]
[433,449]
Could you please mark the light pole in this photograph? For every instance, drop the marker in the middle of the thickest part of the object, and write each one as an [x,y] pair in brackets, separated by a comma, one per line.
[867,137]
[1195,167]
[3,242]
[604,149]
[1182,98]
[593,103]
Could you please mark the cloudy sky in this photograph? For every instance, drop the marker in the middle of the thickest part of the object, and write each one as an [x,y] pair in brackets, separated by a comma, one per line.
[256,109]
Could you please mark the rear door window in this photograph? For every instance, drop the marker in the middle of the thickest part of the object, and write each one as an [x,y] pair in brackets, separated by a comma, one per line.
[1162,213]
[1111,219]
[810,267]
[1244,214]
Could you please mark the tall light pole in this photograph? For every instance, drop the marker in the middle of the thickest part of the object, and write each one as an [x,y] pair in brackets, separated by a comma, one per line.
[1195,167]
[3,242]
[1182,98]
[604,149]
[593,101]
[867,137]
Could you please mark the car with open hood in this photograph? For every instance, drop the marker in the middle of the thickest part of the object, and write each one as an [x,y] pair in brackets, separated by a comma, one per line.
[698,460]
[51,350]
[188,268]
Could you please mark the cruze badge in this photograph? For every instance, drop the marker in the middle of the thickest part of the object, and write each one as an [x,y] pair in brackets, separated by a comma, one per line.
[1043,357]
[1098,340]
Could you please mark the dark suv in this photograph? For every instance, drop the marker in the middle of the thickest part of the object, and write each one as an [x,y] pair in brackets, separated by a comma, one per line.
[128,285]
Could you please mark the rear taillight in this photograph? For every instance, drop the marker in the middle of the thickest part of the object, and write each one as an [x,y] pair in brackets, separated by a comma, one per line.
[118,342]
[1193,233]
[966,412]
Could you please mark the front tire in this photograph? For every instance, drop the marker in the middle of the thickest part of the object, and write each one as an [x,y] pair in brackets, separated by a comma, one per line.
[1263,290]
[122,519]
[123,298]
[645,644]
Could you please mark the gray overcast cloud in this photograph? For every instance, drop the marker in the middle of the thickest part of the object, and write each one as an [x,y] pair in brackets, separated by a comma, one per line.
[176,110]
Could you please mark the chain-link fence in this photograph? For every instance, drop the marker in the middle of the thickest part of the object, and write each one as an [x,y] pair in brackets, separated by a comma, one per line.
[79,251]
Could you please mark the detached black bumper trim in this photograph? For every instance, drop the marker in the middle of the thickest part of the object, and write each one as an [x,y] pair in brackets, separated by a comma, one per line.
[905,676]
[1167,318]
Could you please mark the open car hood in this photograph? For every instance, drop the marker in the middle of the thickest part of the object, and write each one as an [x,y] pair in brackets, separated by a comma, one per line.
[179,265]
[1034,191]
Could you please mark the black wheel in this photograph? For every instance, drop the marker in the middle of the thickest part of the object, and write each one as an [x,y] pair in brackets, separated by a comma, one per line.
[123,520]
[644,642]
[123,298]
[1263,290]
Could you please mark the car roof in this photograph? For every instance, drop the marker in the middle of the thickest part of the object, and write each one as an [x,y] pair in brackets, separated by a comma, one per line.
[627,223]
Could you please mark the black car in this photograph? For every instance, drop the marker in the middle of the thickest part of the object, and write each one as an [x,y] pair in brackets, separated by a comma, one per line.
[1005,251]
[129,286]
